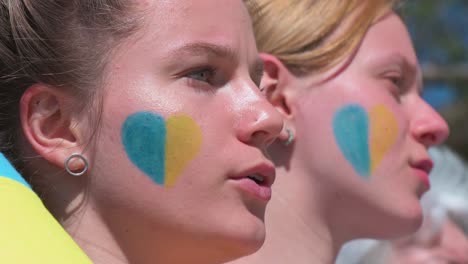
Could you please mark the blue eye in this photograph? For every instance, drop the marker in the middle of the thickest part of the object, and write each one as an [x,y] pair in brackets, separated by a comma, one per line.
[203,75]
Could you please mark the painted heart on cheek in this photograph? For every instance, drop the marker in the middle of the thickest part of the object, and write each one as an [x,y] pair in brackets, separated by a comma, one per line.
[352,126]
[159,148]
[384,133]
[184,139]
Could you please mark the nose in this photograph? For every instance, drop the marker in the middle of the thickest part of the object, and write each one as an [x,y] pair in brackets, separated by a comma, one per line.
[260,124]
[428,127]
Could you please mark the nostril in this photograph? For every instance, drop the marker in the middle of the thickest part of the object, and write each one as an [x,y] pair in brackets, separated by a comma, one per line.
[429,138]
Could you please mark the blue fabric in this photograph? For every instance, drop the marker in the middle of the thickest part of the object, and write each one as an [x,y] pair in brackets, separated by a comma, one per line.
[8,171]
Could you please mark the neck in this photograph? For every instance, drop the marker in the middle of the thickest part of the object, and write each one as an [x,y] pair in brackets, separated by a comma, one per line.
[108,239]
[297,227]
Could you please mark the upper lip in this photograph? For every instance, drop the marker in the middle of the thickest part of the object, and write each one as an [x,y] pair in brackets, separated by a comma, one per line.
[424,165]
[264,169]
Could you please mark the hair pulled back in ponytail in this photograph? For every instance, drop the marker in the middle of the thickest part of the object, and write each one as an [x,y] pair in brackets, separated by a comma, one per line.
[58,43]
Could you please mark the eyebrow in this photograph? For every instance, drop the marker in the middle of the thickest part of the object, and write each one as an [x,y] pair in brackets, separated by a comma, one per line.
[217,51]
[411,69]
[203,49]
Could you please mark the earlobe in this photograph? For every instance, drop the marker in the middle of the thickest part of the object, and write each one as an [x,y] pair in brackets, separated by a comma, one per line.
[47,125]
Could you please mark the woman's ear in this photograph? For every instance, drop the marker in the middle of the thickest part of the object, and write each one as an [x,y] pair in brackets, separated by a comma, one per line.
[48,124]
[276,84]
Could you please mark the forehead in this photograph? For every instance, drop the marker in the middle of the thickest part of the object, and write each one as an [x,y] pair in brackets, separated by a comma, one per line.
[171,23]
[388,37]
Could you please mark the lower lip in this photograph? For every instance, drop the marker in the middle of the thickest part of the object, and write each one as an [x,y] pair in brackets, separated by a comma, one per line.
[424,177]
[258,191]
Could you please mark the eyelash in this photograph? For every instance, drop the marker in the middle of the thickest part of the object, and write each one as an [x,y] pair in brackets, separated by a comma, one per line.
[396,81]
[213,78]
[202,70]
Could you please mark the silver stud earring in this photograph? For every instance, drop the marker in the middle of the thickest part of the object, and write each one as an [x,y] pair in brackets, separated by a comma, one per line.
[76,156]
[290,137]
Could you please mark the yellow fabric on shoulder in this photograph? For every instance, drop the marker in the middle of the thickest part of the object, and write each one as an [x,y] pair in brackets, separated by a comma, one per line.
[29,233]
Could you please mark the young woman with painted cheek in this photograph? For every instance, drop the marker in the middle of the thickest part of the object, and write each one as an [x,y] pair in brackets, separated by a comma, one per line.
[346,79]
[170,142]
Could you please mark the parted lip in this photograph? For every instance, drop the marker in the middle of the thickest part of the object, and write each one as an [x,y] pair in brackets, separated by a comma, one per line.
[264,169]
[425,165]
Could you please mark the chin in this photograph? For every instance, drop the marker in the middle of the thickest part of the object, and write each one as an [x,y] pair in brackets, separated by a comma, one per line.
[251,240]
[231,232]
[408,226]
[402,222]
[245,248]
[246,238]
[235,246]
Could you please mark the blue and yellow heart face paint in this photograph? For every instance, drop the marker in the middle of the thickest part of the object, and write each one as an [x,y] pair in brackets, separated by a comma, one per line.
[364,137]
[28,232]
[161,148]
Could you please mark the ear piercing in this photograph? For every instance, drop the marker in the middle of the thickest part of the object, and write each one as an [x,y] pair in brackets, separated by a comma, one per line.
[80,172]
[290,137]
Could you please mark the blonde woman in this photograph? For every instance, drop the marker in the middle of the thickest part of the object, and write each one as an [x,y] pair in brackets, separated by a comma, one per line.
[346,79]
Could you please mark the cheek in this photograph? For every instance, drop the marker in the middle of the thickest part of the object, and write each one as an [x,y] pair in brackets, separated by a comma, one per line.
[183,142]
[364,137]
[384,133]
[161,148]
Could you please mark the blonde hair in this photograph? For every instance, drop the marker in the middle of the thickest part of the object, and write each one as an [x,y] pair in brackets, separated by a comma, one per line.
[303,33]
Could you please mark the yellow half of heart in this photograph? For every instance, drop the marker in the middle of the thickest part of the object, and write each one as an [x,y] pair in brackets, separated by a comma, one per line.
[383,133]
[183,142]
